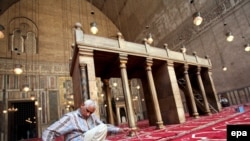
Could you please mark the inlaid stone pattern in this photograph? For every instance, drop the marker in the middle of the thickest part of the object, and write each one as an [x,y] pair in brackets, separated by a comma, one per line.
[41,68]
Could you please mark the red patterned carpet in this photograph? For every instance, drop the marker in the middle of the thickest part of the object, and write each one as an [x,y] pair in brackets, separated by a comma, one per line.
[205,128]
[212,128]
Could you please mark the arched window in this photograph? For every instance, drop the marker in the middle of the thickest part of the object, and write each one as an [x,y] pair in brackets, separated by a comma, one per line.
[23,35]
[17,41]
[30,45]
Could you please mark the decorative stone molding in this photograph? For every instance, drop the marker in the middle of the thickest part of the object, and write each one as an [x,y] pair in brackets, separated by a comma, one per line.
[43,68]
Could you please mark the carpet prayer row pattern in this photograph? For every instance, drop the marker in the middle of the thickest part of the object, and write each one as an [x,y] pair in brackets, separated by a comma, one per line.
[204,128]
[209,128]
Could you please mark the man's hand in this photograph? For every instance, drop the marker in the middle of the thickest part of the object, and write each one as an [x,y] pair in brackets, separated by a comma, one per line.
[126,129]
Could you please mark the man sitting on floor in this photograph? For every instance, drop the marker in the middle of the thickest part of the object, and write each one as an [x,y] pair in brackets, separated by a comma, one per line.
[80,124]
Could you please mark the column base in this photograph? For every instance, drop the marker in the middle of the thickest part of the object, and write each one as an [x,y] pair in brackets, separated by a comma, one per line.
[208,113]
[196,115]
[159,125]
[132,132]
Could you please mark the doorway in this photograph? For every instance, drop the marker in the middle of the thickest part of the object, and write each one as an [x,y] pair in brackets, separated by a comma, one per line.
[22,122]
[123,116]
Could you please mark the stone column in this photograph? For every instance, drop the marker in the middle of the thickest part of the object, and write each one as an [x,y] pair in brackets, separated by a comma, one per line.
[5,115]
[190,92]
[39,115]
[88,78]
[84,83]
[159,123]
[131,119]
[201,86]
[118,115]
[209,87]
[109,103]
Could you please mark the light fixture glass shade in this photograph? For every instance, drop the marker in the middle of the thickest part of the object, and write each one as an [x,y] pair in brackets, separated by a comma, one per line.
[150,39]
[32,97]
[93,28]
[26,88]
[183,49]
[224,68]
[1,35]
[12,109]
[18,69]
[114,84]
[247,47]
[1,32]
[230,37]
[197,19]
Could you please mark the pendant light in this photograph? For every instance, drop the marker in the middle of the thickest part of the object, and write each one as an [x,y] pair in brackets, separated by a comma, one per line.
[224,68]
[197,19]
[183,49]
[93,25]
[12,109]
[26,85]
[93,28]
[18,67]
[230,37]
[150,39]
[247,47]
[1,32]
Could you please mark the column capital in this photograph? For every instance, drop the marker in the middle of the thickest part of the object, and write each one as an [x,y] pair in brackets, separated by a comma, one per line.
[86,52]
[123,60]
[210,69]
[186,68]
[170,63]
[105,82]
[82,65]
[148,63]
[198,70]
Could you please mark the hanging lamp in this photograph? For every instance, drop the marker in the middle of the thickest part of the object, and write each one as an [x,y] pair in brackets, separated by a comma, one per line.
[197,19]
[230,37]
[26,85]
[93,28]
[224,68]
[150,39]
[247,47]
[1,32]
[93,25]
[183,49]
[18,69]
[26,88]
